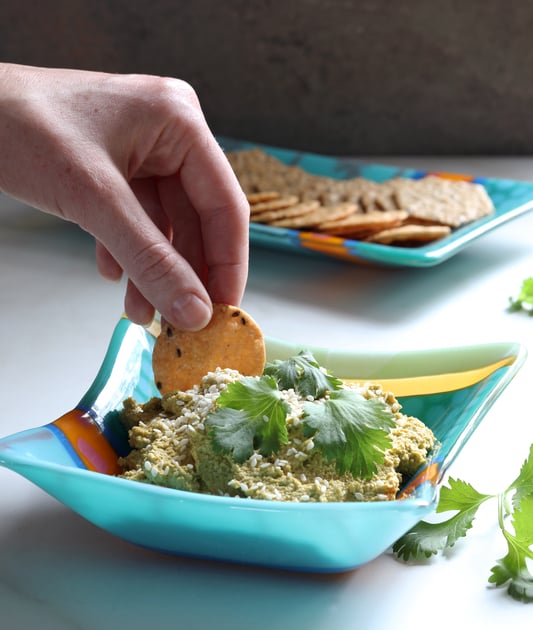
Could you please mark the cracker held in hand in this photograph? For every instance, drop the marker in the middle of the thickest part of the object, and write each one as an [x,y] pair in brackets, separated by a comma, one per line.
[232,339]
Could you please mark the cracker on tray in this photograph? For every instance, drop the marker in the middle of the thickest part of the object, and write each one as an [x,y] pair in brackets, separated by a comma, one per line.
[364,223]
[273,204]
[319,215]
[410,234]
[278,194]
[290,212]
[443,201]
[259,197]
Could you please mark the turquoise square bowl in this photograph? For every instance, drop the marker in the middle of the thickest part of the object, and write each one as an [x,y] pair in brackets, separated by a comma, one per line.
[74,459]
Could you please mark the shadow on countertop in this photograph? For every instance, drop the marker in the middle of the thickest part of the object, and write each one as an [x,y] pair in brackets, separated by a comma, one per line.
[84,577]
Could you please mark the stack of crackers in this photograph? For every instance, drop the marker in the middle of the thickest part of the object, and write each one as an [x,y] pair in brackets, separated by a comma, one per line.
[401,212]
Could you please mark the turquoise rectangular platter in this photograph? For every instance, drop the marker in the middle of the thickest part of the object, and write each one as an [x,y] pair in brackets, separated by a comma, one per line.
[511,199]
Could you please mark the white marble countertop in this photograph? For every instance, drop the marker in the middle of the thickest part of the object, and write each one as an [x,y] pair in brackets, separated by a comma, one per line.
[58,571]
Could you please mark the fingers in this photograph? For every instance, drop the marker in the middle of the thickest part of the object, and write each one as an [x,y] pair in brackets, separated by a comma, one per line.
[137,307]
[187,150]
[158,275]
[109,141]
[188,242]
[186,226]
[214,192]
[106,264]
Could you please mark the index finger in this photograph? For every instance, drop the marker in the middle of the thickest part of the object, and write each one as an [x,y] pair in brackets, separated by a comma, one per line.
[215,194]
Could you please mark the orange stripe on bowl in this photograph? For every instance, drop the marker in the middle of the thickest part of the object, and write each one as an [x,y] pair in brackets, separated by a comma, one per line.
[88,442]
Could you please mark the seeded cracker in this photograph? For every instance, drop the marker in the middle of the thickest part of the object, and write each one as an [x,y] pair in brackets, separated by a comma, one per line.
[259,197]
[447,202]
[380,197]
[364,224]
[312,219]
[291,212]
[410,235]
[273,204]
[232,339]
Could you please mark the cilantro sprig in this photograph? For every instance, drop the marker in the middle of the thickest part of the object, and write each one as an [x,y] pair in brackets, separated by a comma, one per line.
[251,415]
[515,519]
[348,429]
[303,374]
[524,300]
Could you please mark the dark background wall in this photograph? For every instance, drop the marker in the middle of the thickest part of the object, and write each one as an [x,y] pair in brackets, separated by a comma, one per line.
[333,76]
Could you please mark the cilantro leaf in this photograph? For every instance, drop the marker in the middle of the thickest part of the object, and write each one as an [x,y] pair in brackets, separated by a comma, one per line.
[524,301]
[303,374]
[251,414]
[426,539]
[459,495]
[523,520]
[526,291]
[350,430]
[513,568]
[523,484]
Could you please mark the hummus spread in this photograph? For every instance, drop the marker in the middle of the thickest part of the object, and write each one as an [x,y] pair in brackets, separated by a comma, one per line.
[172,446]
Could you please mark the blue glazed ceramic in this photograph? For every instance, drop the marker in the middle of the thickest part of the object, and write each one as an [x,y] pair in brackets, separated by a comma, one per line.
[74,459]
[511,199]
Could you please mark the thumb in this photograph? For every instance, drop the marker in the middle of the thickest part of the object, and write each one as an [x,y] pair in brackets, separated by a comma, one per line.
[158,276]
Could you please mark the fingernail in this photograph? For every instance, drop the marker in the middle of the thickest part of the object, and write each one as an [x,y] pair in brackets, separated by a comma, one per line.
[189,312]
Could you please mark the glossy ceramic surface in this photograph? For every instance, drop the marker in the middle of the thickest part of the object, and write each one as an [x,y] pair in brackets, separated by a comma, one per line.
[510,198]
[74,459]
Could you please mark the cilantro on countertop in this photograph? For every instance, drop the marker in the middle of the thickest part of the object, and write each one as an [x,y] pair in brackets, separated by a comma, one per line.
[515,519]
[524,301]
[426,539]
[350,430]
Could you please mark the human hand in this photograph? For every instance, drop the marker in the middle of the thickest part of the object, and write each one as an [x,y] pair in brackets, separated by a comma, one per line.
[130,159]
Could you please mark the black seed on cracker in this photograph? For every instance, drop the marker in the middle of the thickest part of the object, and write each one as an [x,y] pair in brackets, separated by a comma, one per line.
[232,340]
[169,331]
